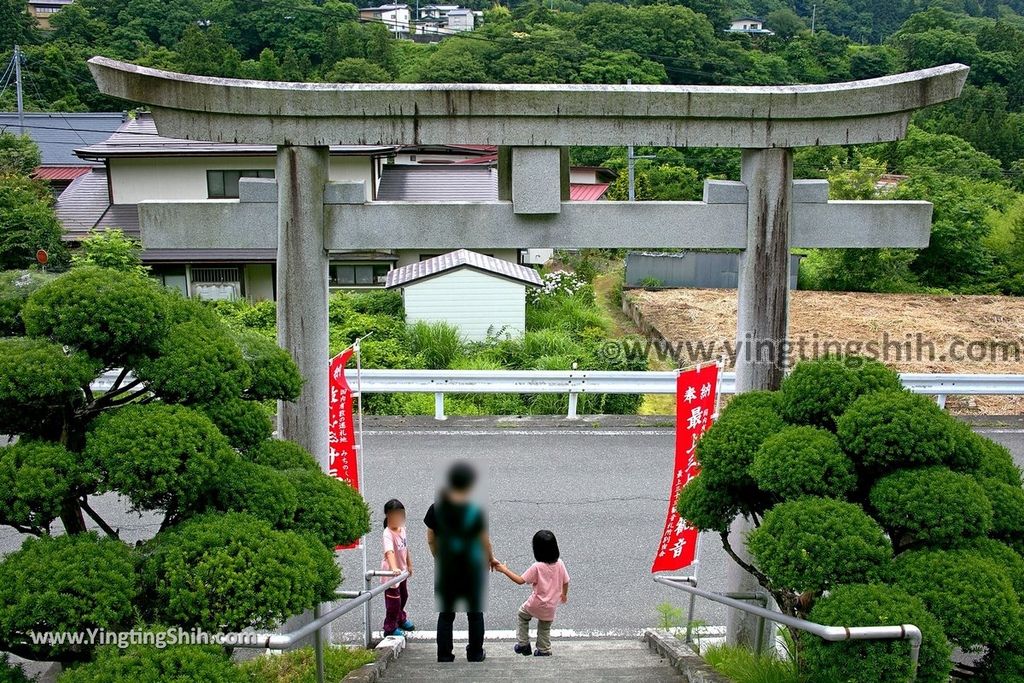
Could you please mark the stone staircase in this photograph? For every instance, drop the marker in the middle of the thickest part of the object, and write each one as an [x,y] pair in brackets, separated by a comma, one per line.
[588,661]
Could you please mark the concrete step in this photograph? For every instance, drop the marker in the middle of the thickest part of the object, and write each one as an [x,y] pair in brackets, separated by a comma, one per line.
[588,661]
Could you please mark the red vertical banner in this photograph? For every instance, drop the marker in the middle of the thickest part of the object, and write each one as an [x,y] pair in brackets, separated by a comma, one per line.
[696,391]
[343,456]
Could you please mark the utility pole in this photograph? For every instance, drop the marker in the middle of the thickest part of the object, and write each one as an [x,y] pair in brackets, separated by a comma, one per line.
[814,17]
[631,162]
[17,82]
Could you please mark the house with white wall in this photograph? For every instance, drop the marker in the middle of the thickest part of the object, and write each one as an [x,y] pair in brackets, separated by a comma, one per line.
[395,17]
[750,25]
[476,293]
[206,212]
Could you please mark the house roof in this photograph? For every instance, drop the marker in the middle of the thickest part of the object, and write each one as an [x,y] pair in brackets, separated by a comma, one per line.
[587,192]
[438,183]
[138,137]
[462,258]
[85,205]
[58,133]
[60,172]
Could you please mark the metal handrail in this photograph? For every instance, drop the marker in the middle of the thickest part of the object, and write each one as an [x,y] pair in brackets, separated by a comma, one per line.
[283,641]
[576,382]
[830,633]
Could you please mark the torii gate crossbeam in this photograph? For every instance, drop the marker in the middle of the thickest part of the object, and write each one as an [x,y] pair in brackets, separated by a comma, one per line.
[764,214]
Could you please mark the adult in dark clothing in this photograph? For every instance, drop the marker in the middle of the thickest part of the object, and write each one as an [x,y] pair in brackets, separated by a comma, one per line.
[458,540]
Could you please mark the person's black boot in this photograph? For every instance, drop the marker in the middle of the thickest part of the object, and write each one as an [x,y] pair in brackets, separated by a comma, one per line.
[523,649]
[475,656]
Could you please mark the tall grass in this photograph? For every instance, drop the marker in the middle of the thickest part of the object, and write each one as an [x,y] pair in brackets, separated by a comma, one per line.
[438,343]
[745,666]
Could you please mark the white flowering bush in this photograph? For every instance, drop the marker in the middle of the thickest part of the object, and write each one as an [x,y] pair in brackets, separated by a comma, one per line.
[555,284]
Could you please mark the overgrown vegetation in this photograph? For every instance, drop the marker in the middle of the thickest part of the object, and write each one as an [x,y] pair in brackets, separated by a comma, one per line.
[870,505]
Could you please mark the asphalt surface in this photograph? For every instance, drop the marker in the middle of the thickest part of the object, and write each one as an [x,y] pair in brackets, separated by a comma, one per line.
[602,489]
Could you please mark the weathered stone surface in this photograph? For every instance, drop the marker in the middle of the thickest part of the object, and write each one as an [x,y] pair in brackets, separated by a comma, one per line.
[536,180]
[231,110]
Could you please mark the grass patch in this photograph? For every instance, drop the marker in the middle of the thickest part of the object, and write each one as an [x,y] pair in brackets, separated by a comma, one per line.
[744,666]
[299,666]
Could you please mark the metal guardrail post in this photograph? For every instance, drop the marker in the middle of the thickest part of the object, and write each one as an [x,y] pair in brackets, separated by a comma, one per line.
[367,624]
[574,398]
[318,646]
[941,400]
[439,406]
[830,633]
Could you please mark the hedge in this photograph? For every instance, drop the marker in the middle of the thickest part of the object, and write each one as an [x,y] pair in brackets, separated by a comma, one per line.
[802,461]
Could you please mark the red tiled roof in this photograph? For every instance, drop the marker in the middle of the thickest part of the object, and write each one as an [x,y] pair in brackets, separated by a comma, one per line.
[586,192]
[60,172]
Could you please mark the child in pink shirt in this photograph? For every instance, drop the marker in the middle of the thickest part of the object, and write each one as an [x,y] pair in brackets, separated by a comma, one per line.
[550,583]
[396,559]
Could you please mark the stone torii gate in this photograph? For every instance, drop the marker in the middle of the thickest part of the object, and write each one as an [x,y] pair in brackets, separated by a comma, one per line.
[764,215]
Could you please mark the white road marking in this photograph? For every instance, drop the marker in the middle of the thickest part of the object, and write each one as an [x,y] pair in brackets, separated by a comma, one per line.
[655,431]
[999,431]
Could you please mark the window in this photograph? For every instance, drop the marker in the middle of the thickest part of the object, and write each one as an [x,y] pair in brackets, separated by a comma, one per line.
[224,184]
[358,274]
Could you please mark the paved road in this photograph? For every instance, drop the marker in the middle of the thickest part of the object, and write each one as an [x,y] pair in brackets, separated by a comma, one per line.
[603,491]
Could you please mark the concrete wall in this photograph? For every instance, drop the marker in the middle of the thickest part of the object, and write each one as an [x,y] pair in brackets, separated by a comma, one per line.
[184,178]
[472,301]
[691,269]
[259,282]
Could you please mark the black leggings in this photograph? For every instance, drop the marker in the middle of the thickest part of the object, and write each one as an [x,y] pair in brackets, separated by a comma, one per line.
[445,620]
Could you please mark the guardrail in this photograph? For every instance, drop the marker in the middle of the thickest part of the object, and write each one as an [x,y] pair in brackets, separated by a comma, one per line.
[576,382]
[830,633]
[284,641]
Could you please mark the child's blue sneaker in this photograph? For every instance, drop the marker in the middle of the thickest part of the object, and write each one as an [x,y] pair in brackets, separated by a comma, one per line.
[523,649]
[397,632]
[542,653]
[408,625]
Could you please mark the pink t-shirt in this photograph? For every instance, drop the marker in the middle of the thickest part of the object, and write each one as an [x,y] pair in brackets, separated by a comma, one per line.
[394,541]
[547,580]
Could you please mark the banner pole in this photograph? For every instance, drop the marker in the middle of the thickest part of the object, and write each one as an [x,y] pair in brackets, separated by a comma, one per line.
[367,625]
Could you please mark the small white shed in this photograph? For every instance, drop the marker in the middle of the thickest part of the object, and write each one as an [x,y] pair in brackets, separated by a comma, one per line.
[471,291]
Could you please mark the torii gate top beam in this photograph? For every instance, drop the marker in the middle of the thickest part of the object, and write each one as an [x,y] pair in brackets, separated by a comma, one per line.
[317,114]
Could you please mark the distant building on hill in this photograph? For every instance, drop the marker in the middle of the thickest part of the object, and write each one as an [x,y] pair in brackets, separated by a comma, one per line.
[445,19]
[395,17]
[751,25]
[42,10]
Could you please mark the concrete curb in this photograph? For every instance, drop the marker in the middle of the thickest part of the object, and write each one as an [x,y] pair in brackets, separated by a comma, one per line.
[684,660]
[387,650]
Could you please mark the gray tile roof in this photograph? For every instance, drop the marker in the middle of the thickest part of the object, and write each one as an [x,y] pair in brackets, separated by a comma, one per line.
[209,255]
[407,183]
[462,258]
[58,134]
[85,205]
[138,138]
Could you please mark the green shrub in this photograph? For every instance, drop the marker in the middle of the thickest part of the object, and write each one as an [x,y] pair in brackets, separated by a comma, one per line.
[282,455]
[571,314]
[967,452]
[846,545]
[197,364]
[258,490]
[932,505]
[875,661]
[996,461]
[229,572]
[15,288]
[970,595]
[376,302]
[1003,664]
[1007,508]
[817,392]
[36,375]
[439,343]
[68,583]
[298,666]
[705,506]
[328,508]
[149,664]
[274,373]
[873,375]
[36,477]
[11,673]
[378,352]
[767,400]
[1006,557]
[106,313]
[887,429]
[245,423]
[160,457]
[803,461]
[726,452]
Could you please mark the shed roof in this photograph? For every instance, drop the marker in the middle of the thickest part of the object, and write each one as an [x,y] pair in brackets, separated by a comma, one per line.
[462,258]
[58,133]
[138,137]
